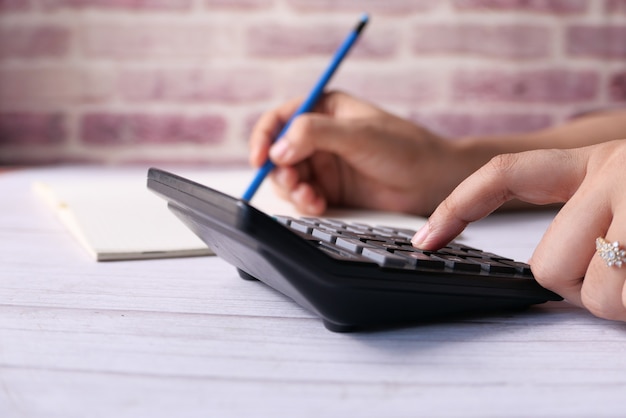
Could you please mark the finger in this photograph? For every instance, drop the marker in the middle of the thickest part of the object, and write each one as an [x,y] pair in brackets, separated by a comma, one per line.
[287,178]
[335,104]
[564,254]
[310,133]
[266,129]
[603,291]
[540,177]
[284,179]
[308,200]
[293,184]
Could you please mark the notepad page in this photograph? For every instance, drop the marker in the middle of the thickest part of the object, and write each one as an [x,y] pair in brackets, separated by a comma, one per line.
[120,222]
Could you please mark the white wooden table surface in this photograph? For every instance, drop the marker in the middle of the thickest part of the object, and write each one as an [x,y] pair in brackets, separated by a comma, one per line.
[188,338]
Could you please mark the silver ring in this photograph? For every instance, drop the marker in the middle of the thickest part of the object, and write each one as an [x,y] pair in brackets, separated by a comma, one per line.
[610,252]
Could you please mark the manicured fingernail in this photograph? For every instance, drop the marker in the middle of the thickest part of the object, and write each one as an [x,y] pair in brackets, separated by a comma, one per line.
[280,150]
[420,235]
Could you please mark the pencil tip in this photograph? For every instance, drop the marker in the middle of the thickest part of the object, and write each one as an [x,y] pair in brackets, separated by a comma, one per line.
[364,19]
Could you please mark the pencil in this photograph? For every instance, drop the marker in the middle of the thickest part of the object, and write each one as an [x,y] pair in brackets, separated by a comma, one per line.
[310,102]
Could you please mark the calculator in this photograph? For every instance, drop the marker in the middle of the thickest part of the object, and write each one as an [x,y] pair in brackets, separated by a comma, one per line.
[353,276]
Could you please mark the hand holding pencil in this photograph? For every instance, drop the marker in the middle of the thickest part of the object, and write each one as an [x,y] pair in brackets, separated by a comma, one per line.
[349,153]
[311,100]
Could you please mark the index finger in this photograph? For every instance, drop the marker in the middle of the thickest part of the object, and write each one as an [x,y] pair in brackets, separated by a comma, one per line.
[334,103]
[267,127]
[539,177]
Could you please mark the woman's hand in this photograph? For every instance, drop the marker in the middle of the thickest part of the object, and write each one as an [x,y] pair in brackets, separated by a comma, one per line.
[591,182]
[352,154]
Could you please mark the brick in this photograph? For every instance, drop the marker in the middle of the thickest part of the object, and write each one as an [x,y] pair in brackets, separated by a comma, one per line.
[128,129]
[376,42]
[239,4]
[26,129]
[517,42]
[597,41]
[617,87]
[269,40]
[175,128]
[549,86]
[156,40]
[41,156]
[117,4]
[408,87]
[37,41]
[456,125]
[53,84]
[372,6]
[615,6]
[210,85]
[14,5]
[535,6]
[44,155]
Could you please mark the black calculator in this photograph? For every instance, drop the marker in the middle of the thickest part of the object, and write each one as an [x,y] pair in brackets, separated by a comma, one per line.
[352,275]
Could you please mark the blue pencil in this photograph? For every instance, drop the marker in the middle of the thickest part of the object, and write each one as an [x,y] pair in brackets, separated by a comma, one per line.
[310,102]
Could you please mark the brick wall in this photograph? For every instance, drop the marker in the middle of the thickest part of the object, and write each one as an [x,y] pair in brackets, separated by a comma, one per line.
[122,81]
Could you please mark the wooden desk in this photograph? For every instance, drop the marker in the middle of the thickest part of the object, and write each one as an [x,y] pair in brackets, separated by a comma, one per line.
[188,338]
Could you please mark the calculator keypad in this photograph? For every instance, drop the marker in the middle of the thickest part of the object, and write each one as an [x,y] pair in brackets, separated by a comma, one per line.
[391,248]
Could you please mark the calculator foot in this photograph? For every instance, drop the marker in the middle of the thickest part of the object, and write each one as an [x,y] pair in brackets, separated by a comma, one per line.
[331,326]
[246,276]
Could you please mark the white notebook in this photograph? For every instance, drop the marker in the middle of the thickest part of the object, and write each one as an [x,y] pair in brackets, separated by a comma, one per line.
[118,218]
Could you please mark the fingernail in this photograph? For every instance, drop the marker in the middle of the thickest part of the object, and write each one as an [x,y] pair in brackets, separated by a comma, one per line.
[420,235]
[280,150]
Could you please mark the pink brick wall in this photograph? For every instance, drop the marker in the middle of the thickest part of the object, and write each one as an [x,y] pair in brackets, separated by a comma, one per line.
[120,81]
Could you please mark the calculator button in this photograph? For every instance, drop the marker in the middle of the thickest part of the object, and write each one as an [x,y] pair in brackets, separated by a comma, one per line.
[457,246]
[285,220]
[363,237]
[383,257]
[484,254]
[301,226]
[350,244]
[334,222]
[457,263]
[357,229]
[520,267]
[455,252]
[419,259]
[493,266]
[324,234]
[340,254]
[405,233]
[384,231]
